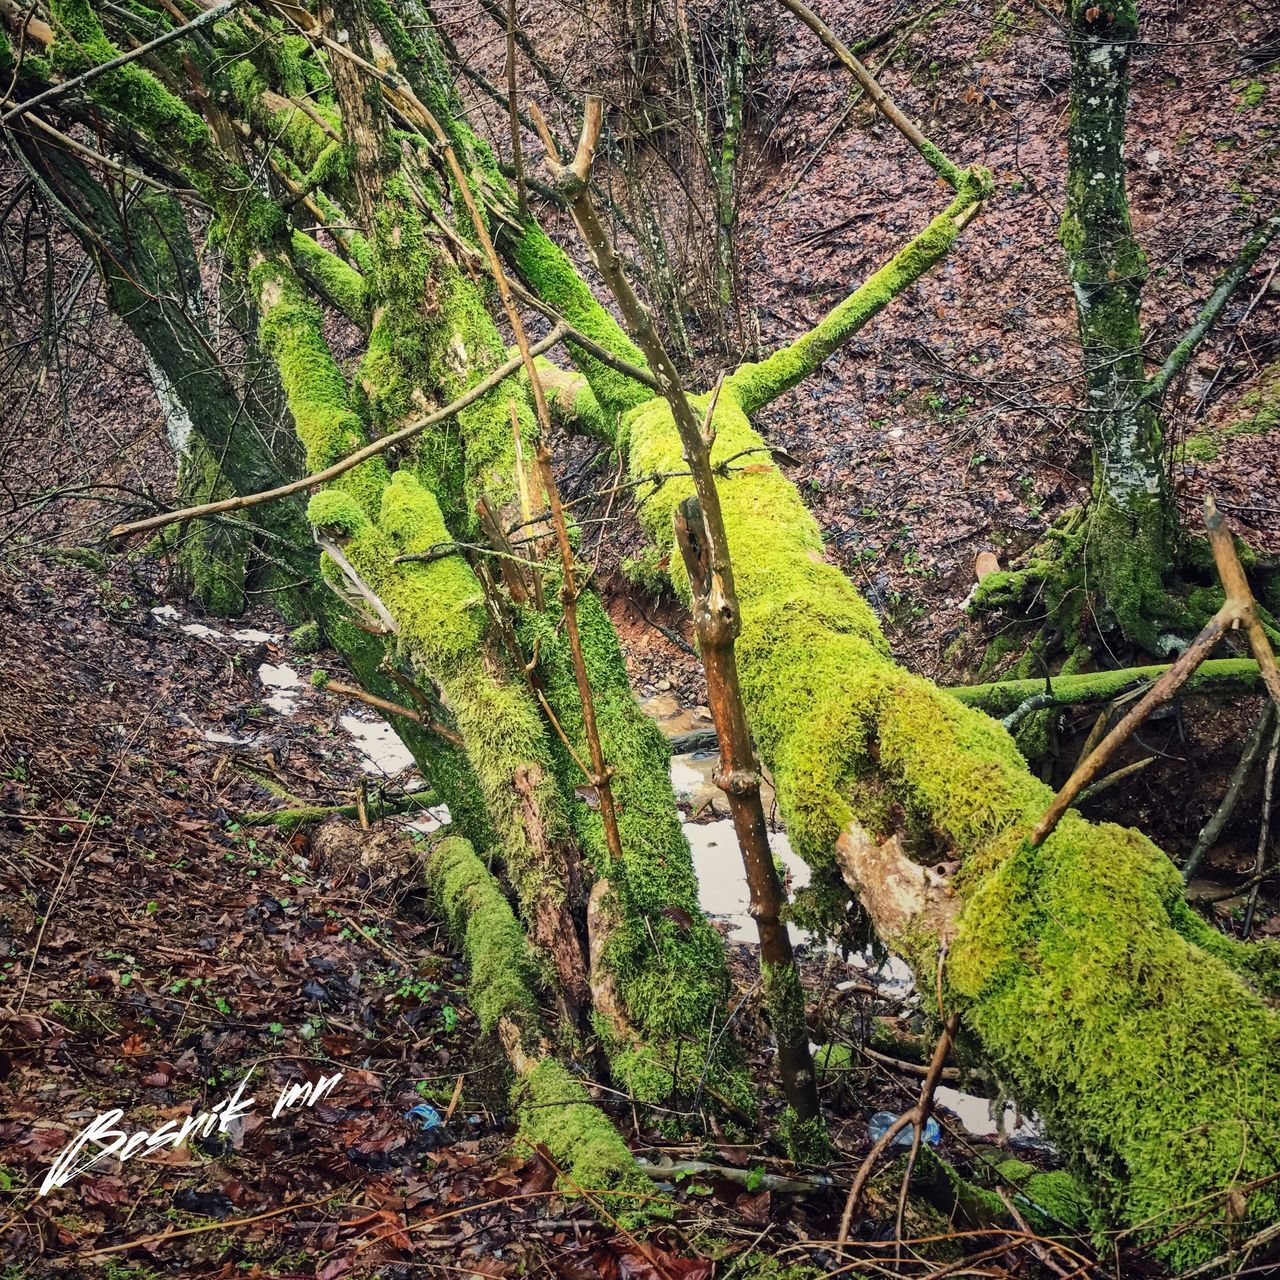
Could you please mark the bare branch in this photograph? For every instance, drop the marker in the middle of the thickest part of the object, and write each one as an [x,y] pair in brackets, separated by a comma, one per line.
[1228,283]
[933,156]
[240,502]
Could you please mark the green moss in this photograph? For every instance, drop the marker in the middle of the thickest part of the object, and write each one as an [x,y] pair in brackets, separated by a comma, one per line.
[1202,447]
[319,678]
[306,638]
[1077,975]
[1253,94]
[832,1060]
[666,958]
[755,384]
[646,569]
[214,554]
[332,278]
[336,512]
[1238,675]
[1256,413]
[443,623]
[556,1111]
[433,339]
[501,972]
[1057,1195]
[547,270]
[291,332]
[1075,965]
[245,219]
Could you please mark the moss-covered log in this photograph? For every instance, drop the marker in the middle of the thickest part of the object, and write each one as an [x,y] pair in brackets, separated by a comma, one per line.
[554,1108]
[1077,966]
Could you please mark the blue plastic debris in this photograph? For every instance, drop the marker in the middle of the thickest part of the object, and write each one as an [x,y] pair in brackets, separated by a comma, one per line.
[429,1116]
[879,1124]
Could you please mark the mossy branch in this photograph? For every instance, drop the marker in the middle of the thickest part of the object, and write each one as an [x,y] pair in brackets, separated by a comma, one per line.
[1223,290]
[1001,698]
[755,384]
[377,806]
[554,1108]
[1078,967]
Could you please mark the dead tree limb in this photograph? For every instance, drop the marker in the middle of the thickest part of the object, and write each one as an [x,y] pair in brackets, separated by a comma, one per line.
[1239,609]
[932,155]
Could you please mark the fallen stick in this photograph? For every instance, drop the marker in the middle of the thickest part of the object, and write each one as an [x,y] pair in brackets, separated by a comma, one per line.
[375,806]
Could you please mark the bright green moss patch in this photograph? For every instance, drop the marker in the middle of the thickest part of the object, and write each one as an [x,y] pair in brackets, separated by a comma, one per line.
[501,972]
[291,333]
[556,1111]
[1077,977]
[547,270]
[1057,1195]
[1224,675]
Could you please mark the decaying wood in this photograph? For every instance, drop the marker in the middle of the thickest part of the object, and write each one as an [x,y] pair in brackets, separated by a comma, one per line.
[898,893]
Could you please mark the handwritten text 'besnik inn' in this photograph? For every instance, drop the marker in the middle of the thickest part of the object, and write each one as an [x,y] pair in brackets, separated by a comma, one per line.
[174,1133]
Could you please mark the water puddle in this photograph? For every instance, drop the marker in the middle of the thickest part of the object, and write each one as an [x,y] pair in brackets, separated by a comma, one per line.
[285,681]
[722,879]
[200,631]
[383,752]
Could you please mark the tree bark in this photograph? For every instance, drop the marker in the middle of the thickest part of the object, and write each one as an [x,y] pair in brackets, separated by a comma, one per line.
[1130,546]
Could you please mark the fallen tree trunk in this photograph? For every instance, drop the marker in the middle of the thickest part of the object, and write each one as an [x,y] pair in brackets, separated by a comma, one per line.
[1078,967]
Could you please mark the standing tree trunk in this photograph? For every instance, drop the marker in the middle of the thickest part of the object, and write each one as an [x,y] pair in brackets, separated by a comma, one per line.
[1130,547]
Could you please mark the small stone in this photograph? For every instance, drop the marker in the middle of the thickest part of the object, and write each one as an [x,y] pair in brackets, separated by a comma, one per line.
[701,713]
[664,685]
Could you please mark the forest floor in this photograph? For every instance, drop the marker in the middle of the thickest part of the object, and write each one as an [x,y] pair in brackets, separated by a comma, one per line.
[946,429]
